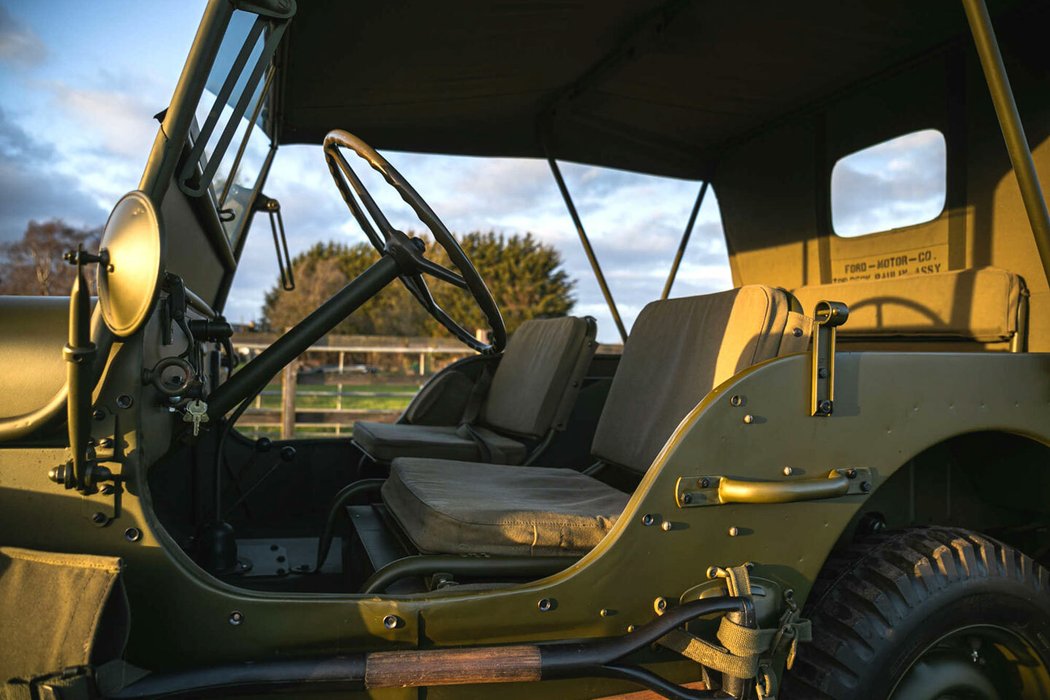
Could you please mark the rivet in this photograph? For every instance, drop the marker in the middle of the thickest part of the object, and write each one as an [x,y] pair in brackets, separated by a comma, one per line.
[99,518]
[797,332]
[630,628]
[648,519]
[545,604]
[851,473]
[108,490]
[124,401]
[98,414]
[391,622]
[736,400]
[865,486]
[704,482]
[133,534]
[822,373]
[687,498]
[236,618]
[660,605]
[788,471]
[825,407]
[666,525]
[749,419]
[105,443]
[605,612]
[734,531]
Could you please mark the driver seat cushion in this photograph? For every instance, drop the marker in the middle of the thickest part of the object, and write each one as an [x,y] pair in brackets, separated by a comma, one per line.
[456,507]
[384,442]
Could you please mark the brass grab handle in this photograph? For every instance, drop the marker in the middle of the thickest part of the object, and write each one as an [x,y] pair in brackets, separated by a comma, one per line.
[691,491]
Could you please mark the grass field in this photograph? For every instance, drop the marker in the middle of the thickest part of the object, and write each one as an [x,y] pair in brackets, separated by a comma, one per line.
[386,397]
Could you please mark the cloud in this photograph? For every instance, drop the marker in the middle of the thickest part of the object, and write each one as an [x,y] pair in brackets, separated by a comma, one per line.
[890,185]
[19,45]
[32,190]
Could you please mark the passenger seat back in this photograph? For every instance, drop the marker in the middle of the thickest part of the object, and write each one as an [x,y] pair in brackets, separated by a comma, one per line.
[681,349]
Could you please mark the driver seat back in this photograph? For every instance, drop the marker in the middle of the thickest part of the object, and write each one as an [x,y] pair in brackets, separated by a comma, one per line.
[532,393]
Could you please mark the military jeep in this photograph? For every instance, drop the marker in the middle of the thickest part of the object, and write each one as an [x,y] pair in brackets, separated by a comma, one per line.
[828,482]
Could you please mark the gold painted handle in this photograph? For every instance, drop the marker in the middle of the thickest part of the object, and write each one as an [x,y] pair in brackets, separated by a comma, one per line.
[711,490]
[735,491]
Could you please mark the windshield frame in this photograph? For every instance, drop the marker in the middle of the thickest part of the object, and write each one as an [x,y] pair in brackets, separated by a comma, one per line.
[174,146]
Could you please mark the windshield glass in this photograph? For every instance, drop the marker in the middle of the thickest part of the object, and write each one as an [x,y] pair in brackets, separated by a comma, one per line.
[240,159]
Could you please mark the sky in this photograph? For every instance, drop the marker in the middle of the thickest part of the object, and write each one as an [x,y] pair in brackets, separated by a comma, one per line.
[80,83]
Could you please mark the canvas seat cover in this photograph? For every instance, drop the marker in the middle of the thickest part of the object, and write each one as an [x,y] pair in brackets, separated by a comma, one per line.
[463,507]
[532,391]
[678,351]
[386,441]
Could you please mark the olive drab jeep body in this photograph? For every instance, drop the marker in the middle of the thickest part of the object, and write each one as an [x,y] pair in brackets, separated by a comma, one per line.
[828,482]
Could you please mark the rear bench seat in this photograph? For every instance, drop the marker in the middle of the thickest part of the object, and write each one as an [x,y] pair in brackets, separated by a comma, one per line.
[978,309]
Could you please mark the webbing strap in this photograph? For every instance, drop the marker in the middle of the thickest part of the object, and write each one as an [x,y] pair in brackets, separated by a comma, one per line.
[477,397]
[744,641]
[709,655]
[489,453]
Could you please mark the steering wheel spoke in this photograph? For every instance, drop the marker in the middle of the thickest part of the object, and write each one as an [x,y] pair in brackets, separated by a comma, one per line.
[366,198]
[441,272]
[389,241]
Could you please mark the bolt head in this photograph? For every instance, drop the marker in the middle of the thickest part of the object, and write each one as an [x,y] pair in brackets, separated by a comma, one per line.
[825,407]
[99,518]
[788,471]
[704,483]
[648,519]
[236,618]
[660,605]
[736,400]
[545,605]
[666,526]
[98,414]
[605,612]
[391,622]
[865,486]
[749,419]
[851,473]
[124,401]
[133,534]
[797,332]
[687,498]
[734,531]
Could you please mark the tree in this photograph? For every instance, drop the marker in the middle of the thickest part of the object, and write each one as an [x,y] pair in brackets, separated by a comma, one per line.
[34,265]
[524,276]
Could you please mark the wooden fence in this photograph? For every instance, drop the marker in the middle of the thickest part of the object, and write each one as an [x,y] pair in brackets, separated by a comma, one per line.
[330,388]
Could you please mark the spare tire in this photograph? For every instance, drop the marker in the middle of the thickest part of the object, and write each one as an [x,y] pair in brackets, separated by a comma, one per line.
[926,614]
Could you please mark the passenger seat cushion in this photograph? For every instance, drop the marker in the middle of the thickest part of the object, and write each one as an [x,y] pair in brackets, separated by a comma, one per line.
[979,304]
[384,442]
[452,507]
[535,373]
[678,351]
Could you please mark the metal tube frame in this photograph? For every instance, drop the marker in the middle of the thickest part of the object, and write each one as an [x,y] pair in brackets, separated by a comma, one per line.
[685,240]
[587,249]
[1010,123]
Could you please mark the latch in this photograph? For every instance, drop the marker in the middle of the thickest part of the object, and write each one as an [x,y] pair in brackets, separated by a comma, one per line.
[828,315]
[710,490]
[280,242]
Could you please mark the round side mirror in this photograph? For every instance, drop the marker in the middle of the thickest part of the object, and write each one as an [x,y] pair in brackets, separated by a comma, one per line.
[129,274]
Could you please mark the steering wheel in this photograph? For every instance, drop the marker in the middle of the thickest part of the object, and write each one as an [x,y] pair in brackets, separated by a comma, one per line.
[408,252]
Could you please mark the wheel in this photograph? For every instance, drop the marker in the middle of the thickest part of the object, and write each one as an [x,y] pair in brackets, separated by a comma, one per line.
[926,614]
[409,251]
